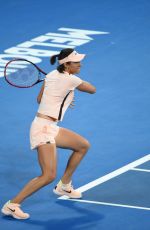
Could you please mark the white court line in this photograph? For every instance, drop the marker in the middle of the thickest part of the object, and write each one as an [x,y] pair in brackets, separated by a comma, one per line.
[142,170]
[110,204]
[111,175]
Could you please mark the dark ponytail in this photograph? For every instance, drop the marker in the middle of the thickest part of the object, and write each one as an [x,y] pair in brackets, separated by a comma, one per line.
[63,54]
[53,59]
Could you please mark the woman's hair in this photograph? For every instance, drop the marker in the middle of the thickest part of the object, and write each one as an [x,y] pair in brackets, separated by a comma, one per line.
[63,54]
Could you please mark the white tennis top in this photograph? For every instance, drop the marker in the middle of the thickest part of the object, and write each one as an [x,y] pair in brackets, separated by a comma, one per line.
[58,93]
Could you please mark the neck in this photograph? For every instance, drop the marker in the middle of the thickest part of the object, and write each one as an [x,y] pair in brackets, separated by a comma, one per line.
[67,72]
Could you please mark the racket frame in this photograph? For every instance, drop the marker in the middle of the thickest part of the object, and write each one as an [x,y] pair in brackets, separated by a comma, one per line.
[23,59]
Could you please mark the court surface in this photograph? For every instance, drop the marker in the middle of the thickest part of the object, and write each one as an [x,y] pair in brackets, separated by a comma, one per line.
[114,175]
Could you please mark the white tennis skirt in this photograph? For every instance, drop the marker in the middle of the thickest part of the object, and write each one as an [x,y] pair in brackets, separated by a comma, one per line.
[42,132]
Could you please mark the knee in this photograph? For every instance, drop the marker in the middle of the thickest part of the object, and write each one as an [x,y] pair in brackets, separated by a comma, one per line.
[47,179]
[85,146]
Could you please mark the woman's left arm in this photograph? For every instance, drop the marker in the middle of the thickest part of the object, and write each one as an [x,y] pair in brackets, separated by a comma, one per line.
[87,87]
[40,93]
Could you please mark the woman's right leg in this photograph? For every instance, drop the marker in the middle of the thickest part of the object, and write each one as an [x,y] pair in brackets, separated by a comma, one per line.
[48,163]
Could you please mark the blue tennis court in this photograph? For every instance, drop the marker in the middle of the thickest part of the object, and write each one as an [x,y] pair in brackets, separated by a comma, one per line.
[114,175]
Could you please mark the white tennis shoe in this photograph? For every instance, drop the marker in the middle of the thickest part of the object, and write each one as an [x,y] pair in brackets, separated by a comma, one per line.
[14,210]
[66,189]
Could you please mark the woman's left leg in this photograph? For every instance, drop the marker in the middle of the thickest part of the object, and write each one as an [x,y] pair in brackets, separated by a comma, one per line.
[47,161]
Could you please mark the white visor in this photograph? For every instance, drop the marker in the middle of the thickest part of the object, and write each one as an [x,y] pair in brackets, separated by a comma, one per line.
[73,57]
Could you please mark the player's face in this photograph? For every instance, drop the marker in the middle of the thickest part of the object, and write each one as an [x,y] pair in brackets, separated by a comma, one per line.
[73,67]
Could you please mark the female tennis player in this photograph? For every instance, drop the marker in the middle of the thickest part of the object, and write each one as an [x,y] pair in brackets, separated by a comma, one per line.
[55,96]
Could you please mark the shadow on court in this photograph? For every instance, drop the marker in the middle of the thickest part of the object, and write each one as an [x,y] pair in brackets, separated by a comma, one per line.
[84,220]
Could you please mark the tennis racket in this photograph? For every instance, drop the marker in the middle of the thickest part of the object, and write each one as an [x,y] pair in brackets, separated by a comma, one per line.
[22,73]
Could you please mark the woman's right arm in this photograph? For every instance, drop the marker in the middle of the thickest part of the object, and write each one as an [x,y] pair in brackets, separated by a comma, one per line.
[86,87]
[40,93]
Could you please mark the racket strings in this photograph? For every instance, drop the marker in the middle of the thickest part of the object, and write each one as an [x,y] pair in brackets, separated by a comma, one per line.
[24,77]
